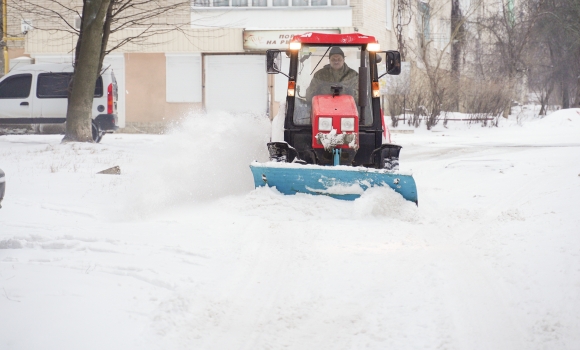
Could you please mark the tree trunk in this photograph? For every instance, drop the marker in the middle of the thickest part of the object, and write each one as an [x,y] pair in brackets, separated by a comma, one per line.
[507,111]
[106,32]
[542,108]
[456,47]
[577,99]
[565,95]
[80,102]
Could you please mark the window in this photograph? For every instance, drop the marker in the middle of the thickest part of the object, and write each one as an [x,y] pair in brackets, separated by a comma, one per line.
[424,16]
[56,85]
[16,86]
[53,85]
[183,75]
[26,25]
[268,3]
[314,77]
[201,3]
[77,22]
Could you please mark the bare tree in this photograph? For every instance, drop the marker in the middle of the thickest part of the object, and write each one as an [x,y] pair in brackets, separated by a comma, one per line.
[440,54]
[100,19]
[87,66]
[558,33]
[508,30]
[541,78]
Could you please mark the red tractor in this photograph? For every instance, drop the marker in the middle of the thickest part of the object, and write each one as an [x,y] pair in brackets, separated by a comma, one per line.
[335,141]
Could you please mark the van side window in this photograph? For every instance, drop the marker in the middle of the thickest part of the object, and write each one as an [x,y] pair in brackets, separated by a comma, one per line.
[55,85]
[99,87]
[16,86]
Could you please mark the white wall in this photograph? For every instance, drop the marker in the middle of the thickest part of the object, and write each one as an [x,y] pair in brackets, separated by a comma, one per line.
[323,17]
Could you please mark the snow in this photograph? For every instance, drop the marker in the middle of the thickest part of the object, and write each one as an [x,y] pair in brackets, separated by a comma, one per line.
[181,252]
[294,165]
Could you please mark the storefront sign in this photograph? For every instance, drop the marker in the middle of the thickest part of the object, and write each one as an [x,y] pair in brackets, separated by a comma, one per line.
[260,40]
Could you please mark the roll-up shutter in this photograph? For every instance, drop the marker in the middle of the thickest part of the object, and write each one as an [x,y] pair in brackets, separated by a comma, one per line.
[236,83]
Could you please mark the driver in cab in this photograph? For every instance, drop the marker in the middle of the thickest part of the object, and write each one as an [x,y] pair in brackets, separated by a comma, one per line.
[336,72]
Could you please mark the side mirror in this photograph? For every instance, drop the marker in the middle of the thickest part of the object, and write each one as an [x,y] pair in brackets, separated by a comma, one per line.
[273,61]
[393,62]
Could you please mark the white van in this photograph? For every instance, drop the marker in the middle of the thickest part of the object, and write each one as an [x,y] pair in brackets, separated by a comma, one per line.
[38,94]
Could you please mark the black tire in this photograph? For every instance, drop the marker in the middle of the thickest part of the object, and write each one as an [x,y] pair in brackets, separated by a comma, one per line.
[97,134]
[391,164]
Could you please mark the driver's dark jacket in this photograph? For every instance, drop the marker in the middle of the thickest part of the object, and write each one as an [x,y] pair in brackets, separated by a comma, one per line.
[346,76]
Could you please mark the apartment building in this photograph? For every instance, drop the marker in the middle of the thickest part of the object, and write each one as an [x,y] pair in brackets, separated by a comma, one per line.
[216,60]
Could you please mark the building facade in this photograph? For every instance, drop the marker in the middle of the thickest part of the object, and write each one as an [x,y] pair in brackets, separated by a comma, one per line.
[214,57]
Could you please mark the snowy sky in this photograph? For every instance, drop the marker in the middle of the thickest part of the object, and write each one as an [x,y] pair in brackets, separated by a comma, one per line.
[181,252]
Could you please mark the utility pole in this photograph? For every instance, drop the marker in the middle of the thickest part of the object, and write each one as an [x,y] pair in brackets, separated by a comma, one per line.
[5,38]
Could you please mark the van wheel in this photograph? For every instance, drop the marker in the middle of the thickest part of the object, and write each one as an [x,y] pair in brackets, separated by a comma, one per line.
[97,134]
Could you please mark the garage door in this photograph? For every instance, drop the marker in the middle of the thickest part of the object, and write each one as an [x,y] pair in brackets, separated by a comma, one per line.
[236,83]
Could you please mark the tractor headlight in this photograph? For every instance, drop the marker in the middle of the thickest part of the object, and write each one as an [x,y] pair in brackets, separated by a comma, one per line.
[347,124]
[295,46]
[324,124]
[373,47]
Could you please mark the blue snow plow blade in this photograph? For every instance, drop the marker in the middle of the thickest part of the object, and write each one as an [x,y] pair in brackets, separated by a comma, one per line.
[341,182]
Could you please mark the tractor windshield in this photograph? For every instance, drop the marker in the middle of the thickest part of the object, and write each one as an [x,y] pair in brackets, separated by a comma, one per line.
[319,68]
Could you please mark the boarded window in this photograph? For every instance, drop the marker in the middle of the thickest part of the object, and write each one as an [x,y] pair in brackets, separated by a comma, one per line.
[183,78]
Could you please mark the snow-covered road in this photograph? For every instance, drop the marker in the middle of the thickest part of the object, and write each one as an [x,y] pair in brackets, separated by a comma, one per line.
[180,252]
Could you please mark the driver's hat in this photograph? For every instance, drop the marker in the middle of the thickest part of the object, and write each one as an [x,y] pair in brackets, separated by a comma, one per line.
[336,51]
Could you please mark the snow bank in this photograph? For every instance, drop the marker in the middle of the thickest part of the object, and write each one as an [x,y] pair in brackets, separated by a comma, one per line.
[384,202]
[489,260]
[564,118]
[376,202]
[559,127]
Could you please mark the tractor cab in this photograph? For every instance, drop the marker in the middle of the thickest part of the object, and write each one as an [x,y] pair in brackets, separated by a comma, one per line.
[333,113]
